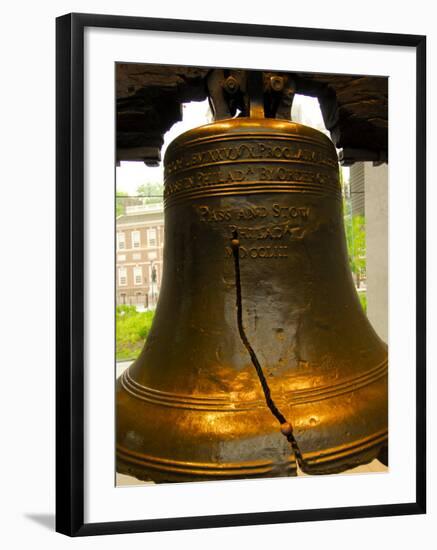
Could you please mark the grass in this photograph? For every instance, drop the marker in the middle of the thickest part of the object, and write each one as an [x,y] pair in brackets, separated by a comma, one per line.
[132,328]
[363,299]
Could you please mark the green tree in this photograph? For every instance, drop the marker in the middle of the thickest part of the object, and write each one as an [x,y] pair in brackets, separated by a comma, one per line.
[119,203]
[152,192]
[355,228]
[356,242]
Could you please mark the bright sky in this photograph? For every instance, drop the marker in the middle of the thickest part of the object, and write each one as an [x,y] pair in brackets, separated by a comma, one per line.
[130,175]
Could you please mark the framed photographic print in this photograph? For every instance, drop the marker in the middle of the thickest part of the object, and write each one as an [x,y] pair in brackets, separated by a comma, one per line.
[240,274]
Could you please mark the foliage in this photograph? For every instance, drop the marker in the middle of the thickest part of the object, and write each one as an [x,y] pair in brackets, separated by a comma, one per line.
[363,300]
[152,192]
[119,203]
[356,243]
[132,329]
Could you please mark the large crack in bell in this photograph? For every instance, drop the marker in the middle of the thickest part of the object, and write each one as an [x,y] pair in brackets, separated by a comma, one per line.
[285,426]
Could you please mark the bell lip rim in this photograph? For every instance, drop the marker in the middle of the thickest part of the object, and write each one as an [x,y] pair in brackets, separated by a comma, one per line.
[249,123]
[332,460]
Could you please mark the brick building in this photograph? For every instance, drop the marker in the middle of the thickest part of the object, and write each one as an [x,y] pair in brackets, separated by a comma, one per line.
[139,255]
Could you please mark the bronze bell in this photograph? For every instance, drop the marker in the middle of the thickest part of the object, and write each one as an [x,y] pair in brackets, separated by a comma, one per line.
[192,406]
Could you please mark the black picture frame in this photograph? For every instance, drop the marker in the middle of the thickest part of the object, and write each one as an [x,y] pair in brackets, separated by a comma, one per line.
[70,273]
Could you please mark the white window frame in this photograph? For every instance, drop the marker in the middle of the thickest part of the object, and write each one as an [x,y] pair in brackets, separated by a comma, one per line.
[152,231]
[136,239]
[138,270]
[121,240]
[121,277]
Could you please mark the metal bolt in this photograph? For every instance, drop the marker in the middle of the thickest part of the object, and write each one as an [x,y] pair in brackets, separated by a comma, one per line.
[231,85]
[277,83]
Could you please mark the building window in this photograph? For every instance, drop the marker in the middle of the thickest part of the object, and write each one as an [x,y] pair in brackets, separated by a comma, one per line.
[151,237]
[136,240]
[152,255]
[122,276]
[121,242]
[121,258]
[138,275]
[136,256]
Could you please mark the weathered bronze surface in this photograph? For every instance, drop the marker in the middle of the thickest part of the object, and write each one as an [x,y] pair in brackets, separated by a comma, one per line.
[191,407]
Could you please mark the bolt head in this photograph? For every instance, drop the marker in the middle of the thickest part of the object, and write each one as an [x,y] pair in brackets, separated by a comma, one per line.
[277,83]
[231,84]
